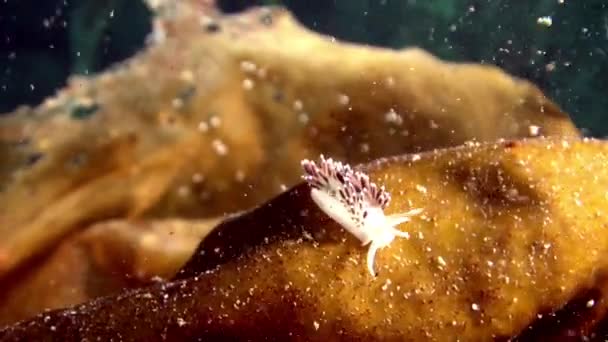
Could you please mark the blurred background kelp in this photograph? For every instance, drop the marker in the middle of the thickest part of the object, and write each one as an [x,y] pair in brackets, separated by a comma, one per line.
[44,42]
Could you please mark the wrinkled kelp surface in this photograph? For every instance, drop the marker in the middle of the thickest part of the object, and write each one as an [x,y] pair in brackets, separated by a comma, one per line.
[512,233]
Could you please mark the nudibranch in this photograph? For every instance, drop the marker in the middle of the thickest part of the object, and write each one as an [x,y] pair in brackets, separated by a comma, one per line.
[350,198]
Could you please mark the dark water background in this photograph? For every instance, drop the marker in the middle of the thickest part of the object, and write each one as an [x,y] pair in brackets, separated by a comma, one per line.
[44,41]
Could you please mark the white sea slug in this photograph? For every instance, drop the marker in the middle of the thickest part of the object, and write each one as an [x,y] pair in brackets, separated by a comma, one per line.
[356,203]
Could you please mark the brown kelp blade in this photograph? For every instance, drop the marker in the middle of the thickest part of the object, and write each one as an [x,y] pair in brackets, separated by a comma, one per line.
[511,232]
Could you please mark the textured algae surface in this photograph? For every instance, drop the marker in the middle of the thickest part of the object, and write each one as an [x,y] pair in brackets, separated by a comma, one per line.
[214,118]
[512,232]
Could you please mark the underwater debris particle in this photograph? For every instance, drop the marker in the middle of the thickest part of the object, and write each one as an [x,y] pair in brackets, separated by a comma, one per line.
[303,118]
[386,284]
[441,261]
[186,76]
[590,303]
[197,178]
[475,307]
[51,103]
[248,84]
[298,105]
[177,103]
[183,191]
[219,147]
[545,21]
[421,189]
[534,130]
[239,175]
[248,66]
[262,72]
[215,121]
[364,148]
[390,82]
[393,117]
[343,99]
[203,126]
[316,325]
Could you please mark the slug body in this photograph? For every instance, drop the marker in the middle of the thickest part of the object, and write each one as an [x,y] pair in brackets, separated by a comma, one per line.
[357,204]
